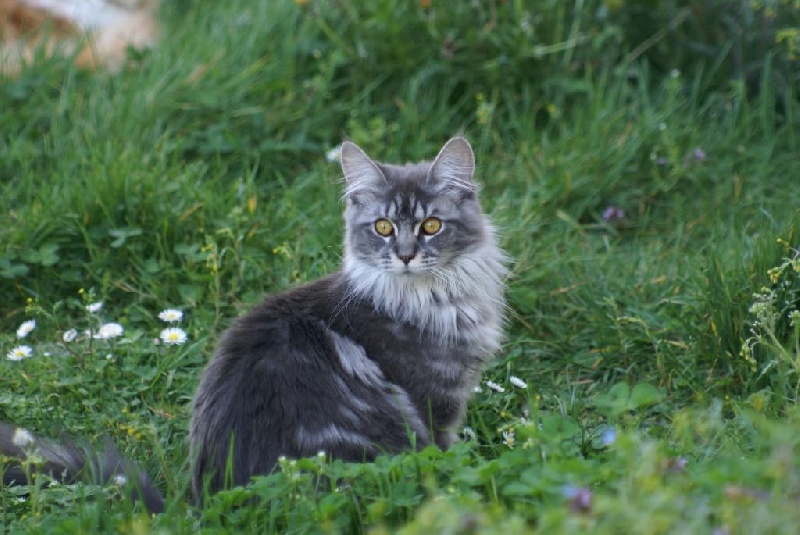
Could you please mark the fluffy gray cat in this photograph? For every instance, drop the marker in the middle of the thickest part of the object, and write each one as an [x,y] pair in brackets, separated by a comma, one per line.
[379,357]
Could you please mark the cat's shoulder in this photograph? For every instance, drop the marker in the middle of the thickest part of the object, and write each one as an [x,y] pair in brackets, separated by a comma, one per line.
[309,298]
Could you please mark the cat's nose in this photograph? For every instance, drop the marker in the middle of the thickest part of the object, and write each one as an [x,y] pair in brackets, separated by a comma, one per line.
[405,248]
[406,258]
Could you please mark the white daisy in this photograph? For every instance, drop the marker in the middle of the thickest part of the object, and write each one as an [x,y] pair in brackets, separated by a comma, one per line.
[173,336]
[468,432]
[508,438]
[170,315]
[19,353]
[70,336]
[26,328]
[516,381]
[119,480]
[494,386]
[109,330]
[94,307]
[22,437]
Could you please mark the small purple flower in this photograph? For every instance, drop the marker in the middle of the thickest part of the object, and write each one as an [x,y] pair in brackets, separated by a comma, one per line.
[613,212]
[699,154]
[608,437]
[676,465]
[661,161]
[579,499]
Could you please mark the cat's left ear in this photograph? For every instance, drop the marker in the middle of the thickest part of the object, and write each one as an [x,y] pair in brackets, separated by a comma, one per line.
[361,173]
[454,166]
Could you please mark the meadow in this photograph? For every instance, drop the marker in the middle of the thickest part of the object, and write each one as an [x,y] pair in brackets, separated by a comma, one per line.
[646,187]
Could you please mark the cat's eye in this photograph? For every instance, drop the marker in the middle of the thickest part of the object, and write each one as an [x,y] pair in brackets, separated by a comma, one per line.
[384,227]
[431,226]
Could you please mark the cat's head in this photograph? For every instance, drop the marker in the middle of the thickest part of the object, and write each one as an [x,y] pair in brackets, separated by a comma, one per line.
[414,218]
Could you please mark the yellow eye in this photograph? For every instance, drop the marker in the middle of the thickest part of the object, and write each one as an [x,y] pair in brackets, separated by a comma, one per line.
[384,227]
[431,226]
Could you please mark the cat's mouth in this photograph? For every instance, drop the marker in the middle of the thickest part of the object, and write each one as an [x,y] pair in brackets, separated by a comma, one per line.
[417,266]
[405,270]
[409,270]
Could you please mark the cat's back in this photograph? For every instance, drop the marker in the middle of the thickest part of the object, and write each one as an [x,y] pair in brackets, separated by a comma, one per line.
[284,331]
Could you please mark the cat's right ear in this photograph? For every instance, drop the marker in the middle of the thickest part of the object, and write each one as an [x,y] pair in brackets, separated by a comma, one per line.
[361,174]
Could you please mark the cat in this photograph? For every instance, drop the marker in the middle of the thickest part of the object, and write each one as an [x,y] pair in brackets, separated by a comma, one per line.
[377,358]
[94,32]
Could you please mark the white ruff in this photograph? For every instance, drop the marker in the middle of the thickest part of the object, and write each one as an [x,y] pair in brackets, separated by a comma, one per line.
[462,302]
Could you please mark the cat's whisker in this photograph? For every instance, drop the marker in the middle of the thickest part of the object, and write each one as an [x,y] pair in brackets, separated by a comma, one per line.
[342,305]
[441,275]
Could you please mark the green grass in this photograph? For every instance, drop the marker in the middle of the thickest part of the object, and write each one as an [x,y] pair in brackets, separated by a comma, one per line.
[198,181]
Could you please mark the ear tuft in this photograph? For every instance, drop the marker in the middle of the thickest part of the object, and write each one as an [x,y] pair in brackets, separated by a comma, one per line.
[455,165]
[360,172]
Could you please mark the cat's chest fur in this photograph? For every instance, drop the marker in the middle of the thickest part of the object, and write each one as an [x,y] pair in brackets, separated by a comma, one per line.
[417,355]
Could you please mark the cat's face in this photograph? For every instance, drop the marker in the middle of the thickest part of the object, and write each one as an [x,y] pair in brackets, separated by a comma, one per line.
[411,219]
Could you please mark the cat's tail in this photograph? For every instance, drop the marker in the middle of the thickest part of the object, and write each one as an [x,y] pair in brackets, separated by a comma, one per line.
[66,461]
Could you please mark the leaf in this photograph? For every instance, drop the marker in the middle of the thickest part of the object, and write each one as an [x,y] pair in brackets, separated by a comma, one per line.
[121,235]
[152,266]
[644,395]
[556,427]
[189,293]
[48,254]
[615,400]
[621,398]
[9,270]
[515,488]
